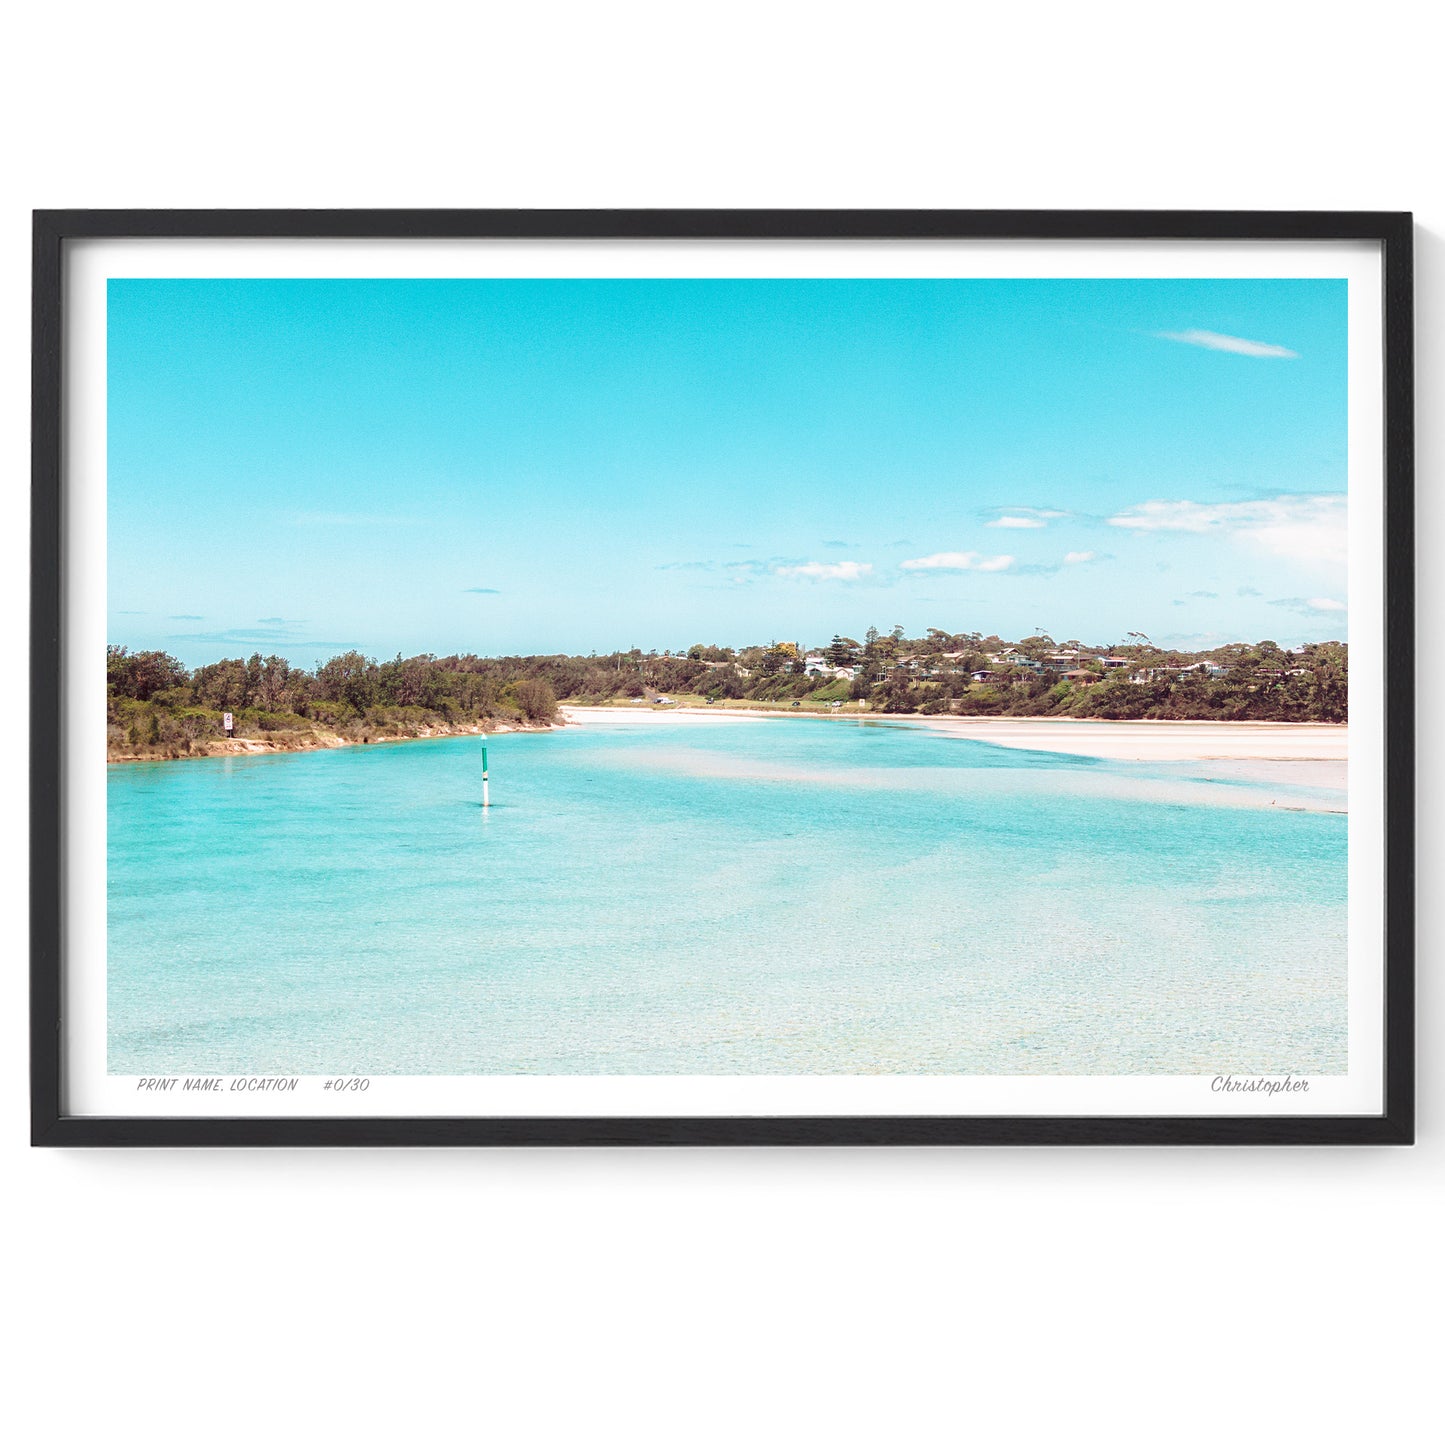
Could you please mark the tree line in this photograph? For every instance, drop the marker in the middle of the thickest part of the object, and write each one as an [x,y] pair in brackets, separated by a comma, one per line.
[155,703]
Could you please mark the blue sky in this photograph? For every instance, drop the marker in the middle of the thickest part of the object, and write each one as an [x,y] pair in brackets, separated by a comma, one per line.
[567,466]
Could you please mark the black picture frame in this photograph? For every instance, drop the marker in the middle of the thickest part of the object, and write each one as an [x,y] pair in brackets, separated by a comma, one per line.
[54,229]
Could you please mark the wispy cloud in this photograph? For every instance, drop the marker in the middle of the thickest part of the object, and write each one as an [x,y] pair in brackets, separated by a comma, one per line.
[841,546]
[1311,606]
[268,632]
[1026,518]
[1073,559]
[1207,596]
[483,591]
[1239,345]
[958,562]
[1306,528]
[249,637]
[827,571]
[186,617]
[1192,641]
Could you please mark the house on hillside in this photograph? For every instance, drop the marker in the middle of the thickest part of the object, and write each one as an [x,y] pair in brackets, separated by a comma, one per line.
[816,665]
[1171,671]
[1113,664]
[1080,676]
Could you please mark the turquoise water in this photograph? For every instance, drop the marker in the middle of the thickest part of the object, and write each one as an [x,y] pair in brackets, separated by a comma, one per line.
[718,897]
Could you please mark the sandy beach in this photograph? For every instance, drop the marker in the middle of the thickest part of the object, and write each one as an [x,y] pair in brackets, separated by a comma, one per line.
[1311,755]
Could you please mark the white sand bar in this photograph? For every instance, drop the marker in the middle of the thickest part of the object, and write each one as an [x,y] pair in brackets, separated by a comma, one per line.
[1308,755]
[1311,755]
[1140,742]
[1159,742]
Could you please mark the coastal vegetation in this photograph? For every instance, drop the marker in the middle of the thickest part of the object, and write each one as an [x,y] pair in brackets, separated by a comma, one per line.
[156,708]
[159,709]
[972,675]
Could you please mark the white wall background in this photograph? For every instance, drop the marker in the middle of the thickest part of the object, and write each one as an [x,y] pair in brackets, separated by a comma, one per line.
[1156,1296]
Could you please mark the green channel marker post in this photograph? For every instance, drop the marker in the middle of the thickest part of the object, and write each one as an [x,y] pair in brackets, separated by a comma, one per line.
[486,795]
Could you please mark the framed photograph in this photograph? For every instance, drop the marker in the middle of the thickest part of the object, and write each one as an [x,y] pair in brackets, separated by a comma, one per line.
[721,677]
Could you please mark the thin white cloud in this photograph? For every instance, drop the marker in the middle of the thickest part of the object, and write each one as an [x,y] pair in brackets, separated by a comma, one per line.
[1215,341]
[1304,528]
[243,636]
[1073,558]
[828,571]
[958,562]
[1025,517]
[1317,607]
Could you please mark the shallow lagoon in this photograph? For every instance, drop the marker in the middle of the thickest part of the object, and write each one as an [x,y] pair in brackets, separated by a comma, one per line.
[720,896]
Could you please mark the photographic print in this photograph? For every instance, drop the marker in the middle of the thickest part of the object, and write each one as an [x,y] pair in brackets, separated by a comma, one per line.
[731,683]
